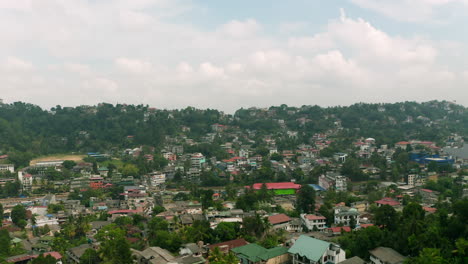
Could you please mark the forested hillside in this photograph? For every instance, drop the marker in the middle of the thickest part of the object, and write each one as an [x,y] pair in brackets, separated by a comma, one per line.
[29,130]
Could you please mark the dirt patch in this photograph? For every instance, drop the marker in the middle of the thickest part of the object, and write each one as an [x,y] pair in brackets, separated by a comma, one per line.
[75,158]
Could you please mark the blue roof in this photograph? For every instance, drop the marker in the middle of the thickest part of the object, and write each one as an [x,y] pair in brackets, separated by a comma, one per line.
[317,187]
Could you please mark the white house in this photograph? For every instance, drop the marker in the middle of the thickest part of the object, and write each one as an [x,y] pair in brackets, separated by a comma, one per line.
[7,167]
[343,215]
[308,250]
[312,221]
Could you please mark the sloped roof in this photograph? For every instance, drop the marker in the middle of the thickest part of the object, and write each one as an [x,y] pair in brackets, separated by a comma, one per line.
[309,247]
[230,244]
[353,260]
[254,252]
[277,185]
[387,255]
[278,219]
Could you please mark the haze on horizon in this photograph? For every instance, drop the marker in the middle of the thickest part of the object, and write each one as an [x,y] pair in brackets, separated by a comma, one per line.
[228,55]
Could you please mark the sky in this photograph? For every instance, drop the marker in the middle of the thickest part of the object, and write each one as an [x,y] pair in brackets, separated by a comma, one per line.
[232,54]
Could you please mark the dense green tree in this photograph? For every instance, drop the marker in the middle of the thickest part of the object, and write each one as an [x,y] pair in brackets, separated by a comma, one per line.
[69,164]
[18,214]
[386,216]
[5,243]
[114,247]
[41,259]
[428,256]
[225,231]
[1,214]
[306,200]
[90,256]
[351,169]
[217,257]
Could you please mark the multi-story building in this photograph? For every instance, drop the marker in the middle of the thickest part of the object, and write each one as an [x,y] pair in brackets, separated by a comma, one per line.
[338,182]
[157,179]
[344,215]
[308,250]
[313,222]
[7,167]
[197,160]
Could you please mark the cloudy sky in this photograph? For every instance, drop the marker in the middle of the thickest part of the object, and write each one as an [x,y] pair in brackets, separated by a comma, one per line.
[232,54]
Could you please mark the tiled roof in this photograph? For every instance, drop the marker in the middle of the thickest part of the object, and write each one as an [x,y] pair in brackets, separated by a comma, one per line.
[277,185]
[388,201]
[230,244]
[315,217]
[278,219]
[338,229]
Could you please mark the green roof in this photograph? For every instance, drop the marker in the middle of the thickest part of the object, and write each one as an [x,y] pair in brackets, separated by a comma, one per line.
[309,247]
[254,252]
[16,240]
[274,252]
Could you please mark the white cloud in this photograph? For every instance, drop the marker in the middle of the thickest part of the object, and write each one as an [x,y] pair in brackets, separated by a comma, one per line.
[241,29]
[14,63]
[413,10]
[84,52]
[134,66]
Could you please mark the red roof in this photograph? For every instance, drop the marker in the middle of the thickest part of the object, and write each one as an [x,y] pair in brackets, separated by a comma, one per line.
[366,225]
[315,217]
[402,143]
[426,190]
[338,229]
[278,219]
[277,185]
[387,200]
[126,211]
[54,254]
[430,209]
[228,245]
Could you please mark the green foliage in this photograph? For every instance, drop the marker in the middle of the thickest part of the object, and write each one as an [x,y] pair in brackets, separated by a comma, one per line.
[90,256]
[351,169]
[227,231]
[306,200]
[1,214]
[55,208]
[68,164]
[18,215]
[44,260]
[158,209]
[386,217]
[5,243]
[114,247]
[254,226]
[217,257]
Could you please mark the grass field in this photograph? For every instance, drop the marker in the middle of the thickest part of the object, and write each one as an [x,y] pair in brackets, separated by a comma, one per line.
[75,158]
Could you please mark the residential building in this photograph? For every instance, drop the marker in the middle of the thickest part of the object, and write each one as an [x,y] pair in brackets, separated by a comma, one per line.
[333,180]
[279,221]
[197,160]
[7,167]
[153,255]
[308,250]
[387,200]
[225,247]
[256,254]
[344,215]
[313,222]
[157,179]
[74,254]
[385,255]
[354,260]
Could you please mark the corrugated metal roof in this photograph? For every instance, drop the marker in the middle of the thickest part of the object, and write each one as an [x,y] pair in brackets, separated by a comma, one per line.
[309,247]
